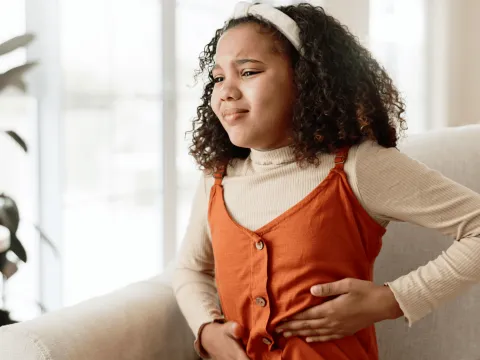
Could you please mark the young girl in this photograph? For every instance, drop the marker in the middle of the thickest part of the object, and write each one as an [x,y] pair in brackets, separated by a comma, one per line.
[297,134]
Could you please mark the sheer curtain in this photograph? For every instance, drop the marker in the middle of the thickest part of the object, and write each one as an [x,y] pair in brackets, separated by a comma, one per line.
[397,38]
[111,112]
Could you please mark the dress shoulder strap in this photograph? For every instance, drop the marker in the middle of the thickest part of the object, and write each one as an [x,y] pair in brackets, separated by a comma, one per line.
[219,174]
[341,156]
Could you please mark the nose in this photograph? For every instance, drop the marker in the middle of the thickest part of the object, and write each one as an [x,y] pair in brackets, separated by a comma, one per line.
[230,91]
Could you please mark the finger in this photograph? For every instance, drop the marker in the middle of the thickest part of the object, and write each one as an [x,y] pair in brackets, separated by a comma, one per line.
[311,332]
[323,338]
[302,325]
[334,288]
[234,330]
[316,312]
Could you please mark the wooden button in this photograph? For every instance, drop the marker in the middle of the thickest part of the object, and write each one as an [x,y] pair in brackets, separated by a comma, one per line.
[261,301]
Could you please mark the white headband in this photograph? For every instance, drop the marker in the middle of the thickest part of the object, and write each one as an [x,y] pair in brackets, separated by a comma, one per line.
[285,24]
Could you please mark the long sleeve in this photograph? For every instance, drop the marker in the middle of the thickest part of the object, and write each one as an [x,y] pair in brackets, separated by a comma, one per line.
[395,187]
[194,282]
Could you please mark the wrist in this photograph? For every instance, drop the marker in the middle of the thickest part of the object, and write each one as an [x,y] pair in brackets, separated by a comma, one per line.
[392,309]
[206,335]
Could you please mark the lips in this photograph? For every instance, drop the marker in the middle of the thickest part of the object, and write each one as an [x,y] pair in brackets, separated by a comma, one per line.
[233,111]
[230,116]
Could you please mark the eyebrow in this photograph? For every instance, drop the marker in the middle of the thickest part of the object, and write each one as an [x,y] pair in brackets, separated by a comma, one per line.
[241,62]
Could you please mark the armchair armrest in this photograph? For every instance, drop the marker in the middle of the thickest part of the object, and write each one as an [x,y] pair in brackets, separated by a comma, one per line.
[139,321]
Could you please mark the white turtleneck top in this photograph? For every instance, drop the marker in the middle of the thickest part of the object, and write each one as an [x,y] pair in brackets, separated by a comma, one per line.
[390,186]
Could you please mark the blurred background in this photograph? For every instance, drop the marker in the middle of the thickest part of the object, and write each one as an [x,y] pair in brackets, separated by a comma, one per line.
[108,176]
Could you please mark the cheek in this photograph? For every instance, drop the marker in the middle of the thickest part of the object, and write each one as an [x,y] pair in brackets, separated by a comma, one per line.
[272,93]
[271,101]
[215,102]
[259,97]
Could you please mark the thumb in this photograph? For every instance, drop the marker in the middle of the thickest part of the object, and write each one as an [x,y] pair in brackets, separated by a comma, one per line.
[330,289]
[234,330]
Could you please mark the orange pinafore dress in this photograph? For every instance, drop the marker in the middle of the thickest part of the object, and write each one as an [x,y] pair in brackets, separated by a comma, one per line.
[264,276]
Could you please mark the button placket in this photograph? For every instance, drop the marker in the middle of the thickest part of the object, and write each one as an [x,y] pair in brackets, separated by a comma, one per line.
[260,257]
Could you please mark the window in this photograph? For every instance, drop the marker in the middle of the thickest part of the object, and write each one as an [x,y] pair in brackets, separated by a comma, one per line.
[111,114]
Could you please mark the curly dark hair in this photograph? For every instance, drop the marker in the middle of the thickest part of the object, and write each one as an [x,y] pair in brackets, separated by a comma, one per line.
[344,95]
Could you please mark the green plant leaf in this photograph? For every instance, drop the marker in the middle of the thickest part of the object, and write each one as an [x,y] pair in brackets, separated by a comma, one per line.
[17,139]
[17,83]
[15,43]
[14,76]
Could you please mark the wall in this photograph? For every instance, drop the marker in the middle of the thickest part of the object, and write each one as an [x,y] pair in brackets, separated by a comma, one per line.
[354,14]
[464,70]
[454,59]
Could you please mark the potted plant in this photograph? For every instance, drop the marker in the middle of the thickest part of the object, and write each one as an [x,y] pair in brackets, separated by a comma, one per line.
[9,213]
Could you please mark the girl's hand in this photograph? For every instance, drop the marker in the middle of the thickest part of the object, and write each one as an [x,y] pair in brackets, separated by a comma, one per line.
[359,304]
[222,341]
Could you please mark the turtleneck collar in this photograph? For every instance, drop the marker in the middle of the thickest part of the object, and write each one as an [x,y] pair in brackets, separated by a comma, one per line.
[283,155]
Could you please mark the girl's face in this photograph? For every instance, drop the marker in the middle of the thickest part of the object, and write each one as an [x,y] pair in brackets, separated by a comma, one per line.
[254,89]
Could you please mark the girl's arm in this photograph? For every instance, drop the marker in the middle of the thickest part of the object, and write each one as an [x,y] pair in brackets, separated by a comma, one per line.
[393,186]
[194,282]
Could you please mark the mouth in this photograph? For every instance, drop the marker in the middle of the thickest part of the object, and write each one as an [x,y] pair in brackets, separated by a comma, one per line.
[230,115]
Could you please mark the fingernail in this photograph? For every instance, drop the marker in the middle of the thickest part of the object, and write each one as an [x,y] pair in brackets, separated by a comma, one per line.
[309,340]
[287,334]
[316,290]
[278,330]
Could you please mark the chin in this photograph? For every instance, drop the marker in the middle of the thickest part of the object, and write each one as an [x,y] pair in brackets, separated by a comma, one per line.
[252,140]
[240,140]
[250,143]
[240,143]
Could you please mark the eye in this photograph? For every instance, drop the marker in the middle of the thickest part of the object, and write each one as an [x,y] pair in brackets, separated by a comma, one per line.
[249,73]
[218,79]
